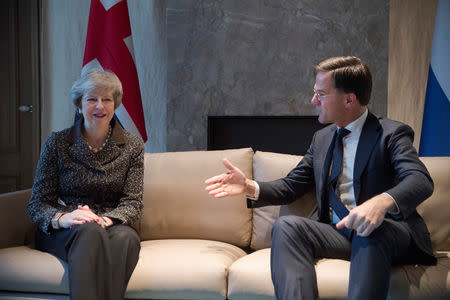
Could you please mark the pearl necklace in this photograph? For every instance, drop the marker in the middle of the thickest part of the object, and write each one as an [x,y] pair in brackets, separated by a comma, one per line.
[95,150]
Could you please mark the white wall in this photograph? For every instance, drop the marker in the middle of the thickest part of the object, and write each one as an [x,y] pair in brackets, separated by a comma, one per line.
[63,35]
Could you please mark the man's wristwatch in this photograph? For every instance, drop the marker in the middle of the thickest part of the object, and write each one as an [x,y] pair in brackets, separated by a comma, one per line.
[55,220]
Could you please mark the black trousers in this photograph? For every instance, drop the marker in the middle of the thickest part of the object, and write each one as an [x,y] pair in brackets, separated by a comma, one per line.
[100,260]
[297,242]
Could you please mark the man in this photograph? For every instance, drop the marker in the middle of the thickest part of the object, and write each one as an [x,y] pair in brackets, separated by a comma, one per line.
[368,182]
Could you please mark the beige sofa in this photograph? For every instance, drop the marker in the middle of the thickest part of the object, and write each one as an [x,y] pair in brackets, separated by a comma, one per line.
[198,247]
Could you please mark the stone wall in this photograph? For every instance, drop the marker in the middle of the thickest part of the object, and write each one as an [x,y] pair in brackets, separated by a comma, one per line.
[235,57]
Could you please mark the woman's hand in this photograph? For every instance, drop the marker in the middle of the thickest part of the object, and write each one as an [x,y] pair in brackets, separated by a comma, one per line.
[106,222]
[80,216]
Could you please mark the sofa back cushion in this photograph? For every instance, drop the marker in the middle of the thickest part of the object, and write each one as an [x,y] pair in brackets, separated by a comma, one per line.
[269,166]
[176,205]
[436,209]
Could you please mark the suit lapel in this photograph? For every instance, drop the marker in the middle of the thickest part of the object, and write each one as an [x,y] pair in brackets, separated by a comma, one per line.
[78,149]
[369,137]
[113,149]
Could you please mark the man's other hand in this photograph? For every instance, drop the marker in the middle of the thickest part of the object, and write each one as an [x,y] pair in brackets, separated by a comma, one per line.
[366,217]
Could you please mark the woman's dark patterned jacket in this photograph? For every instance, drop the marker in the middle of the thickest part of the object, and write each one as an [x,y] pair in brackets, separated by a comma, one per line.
[69,174]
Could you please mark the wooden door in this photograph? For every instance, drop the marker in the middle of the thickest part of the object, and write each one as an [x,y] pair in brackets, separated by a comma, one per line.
[19,93]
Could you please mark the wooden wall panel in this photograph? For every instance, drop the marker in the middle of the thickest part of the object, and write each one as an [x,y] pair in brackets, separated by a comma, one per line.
[411,27]
[19,86]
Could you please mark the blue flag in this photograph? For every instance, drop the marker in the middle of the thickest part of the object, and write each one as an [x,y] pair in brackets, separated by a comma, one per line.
[435,138]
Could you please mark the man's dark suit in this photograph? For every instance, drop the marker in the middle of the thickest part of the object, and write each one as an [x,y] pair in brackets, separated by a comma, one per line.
[385,161]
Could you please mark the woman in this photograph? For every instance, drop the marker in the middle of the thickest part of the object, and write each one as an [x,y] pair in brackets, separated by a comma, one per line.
[88,190]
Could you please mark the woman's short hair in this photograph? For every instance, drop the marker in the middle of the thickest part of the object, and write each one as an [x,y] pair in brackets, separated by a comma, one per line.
[350,76]
[96,79]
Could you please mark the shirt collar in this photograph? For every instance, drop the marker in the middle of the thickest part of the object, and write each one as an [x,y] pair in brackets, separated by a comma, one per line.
[357,125]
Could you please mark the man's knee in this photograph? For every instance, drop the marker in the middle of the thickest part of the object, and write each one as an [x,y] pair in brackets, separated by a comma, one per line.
[288,225]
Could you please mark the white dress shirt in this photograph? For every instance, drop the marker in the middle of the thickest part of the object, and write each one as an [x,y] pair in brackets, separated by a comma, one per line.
[344,185]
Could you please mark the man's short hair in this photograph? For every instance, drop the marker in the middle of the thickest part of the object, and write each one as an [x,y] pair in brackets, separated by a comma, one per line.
[350,76]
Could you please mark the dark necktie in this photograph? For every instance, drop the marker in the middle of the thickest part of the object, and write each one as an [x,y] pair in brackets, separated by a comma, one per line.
[336,170]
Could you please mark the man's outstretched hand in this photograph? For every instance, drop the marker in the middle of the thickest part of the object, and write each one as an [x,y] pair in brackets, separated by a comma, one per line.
[231,183]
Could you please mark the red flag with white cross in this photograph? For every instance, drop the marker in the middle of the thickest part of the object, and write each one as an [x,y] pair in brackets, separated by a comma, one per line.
[109,46]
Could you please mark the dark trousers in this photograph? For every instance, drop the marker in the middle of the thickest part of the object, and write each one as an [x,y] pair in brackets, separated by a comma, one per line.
[100,261]
[297,242]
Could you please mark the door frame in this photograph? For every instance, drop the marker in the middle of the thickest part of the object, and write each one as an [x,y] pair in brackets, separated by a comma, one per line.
[30,86]
[20,156]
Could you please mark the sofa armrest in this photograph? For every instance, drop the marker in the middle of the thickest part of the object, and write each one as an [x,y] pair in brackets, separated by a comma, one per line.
[16,228]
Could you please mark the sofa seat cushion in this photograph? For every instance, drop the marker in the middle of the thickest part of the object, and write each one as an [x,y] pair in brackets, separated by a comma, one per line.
[423,282]
[407,282]
[167,269]
[28,270]
[250,279]
[182,269]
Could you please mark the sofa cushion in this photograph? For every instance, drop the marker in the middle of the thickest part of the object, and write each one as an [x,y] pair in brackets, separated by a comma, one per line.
[182,269]
[28,270]
[436,209]
[269,166]
[167,269]
[250,278]
[23,232]
[177,206]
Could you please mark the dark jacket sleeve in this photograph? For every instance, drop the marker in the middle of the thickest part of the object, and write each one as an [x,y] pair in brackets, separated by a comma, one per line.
[413,182]
[44,196]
